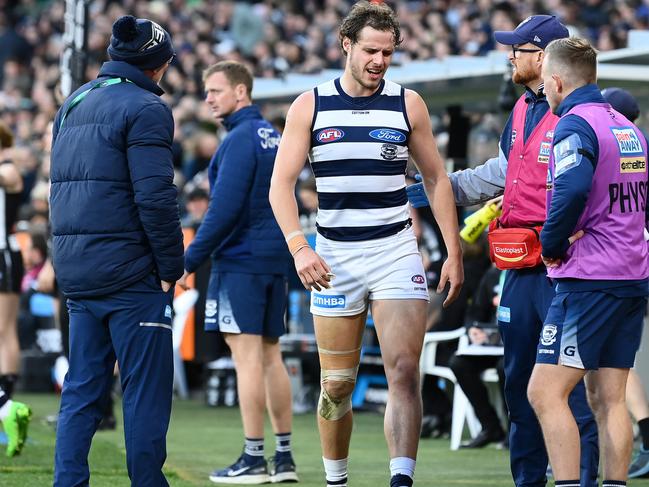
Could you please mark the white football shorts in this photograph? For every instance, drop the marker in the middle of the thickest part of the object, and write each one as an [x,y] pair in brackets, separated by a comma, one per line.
[383,268]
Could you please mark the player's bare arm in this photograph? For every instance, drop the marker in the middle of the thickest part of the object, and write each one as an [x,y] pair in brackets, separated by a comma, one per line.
[423,149]
[292,152]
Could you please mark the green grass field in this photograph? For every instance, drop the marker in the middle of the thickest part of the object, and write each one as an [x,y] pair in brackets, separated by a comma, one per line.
[201,439]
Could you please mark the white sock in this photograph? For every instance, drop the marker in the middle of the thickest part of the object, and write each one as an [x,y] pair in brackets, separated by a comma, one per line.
[335,470]
[4,410]
[403,466]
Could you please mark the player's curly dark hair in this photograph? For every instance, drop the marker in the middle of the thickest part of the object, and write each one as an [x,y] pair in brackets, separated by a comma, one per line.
[379,16]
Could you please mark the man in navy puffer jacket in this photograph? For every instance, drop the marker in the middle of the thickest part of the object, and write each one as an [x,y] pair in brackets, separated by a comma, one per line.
[117,251]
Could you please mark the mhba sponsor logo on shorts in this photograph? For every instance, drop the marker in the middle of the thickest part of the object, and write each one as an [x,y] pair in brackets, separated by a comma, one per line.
[329,302]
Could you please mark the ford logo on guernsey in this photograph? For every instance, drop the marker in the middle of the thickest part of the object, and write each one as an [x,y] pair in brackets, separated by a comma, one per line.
[324,301]
[330,135]
[388,135]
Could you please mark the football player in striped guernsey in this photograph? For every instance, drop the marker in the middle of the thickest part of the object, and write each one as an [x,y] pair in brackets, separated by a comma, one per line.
[358,132]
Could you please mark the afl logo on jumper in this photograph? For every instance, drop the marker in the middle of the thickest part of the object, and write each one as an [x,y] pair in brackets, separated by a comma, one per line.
[388,135]
[330,135]
[388,151]
[510,252]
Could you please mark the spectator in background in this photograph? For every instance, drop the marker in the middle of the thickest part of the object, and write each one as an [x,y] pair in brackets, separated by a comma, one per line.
[196,204]
[15,415]
[482,330]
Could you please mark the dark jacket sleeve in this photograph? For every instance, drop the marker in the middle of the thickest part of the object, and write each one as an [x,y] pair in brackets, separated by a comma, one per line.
[505,142]
[571,187]
[149,140]
[231,189]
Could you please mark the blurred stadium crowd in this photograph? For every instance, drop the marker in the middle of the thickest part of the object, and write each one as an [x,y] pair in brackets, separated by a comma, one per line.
[272,36]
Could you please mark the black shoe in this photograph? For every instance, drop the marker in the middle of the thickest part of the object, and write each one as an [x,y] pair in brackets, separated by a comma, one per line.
[435,426]
[400,480]
[282,469]
[241,472]
[484,438]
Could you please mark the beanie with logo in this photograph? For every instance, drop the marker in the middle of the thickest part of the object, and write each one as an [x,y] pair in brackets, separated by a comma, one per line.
[140,42]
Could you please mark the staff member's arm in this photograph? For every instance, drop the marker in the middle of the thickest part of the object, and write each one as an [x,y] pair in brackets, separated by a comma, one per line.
[423,148]
[575,150]
[292,152]
[151,168]
[228,198]
[474,185]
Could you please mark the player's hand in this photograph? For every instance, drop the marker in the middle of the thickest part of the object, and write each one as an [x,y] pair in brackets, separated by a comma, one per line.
[572,239]
[182,282]
[166,285]
[498,201]
[312,270]
[453,273]
[417,194]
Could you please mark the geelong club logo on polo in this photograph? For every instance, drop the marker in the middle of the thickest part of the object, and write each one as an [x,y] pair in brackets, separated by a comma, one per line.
[548,335]
[157,36]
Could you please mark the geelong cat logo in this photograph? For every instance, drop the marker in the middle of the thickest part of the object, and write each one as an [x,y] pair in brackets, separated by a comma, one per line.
[388,135]
[330,135]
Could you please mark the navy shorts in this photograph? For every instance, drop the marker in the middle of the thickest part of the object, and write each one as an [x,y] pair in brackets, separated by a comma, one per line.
[11,271]
[253,304]
[589,330]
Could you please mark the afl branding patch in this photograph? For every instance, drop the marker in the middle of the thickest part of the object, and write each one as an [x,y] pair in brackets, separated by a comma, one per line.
[330,135]
[418,279]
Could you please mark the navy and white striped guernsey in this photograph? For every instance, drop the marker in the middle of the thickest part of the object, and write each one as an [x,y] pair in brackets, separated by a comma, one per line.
[359,152]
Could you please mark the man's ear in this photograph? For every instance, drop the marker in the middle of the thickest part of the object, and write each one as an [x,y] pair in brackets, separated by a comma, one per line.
[347,44]
[241,92]
[558,82]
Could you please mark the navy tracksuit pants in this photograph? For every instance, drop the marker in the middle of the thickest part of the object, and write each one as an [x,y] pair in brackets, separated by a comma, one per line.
[133,326]
[524,303]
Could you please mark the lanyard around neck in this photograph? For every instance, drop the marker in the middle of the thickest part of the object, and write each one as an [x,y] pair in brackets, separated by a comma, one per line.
[79,98]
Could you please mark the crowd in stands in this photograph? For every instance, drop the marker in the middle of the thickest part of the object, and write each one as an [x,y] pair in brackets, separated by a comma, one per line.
[272,36]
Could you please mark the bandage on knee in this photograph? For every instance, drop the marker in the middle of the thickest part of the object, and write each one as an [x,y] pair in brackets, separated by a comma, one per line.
[331,408]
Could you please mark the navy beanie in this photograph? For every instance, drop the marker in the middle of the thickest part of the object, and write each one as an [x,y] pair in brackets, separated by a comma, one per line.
[140,42]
